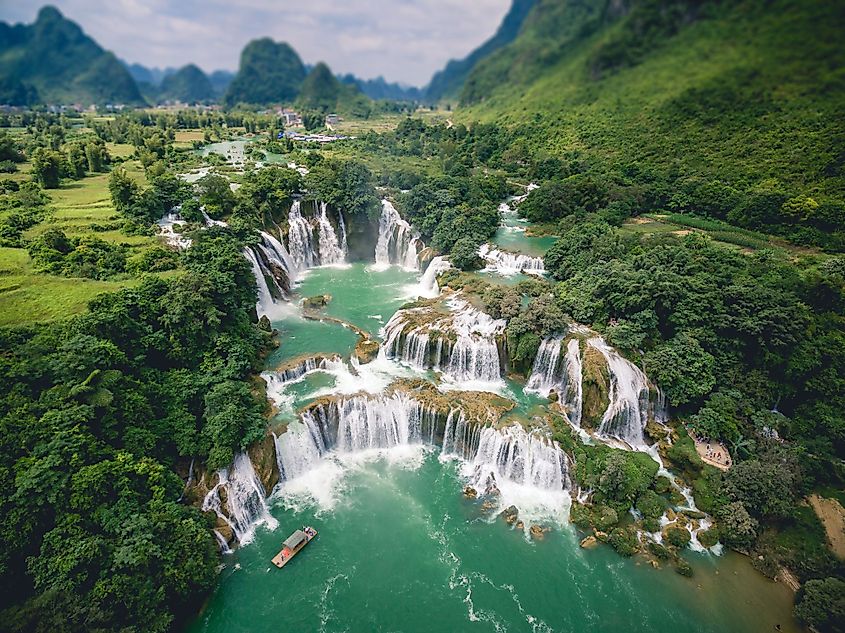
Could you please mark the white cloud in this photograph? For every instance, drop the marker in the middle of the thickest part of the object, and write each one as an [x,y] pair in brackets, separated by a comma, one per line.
[403,40]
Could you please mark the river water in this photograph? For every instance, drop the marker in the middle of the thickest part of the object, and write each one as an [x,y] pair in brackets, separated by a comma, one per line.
[401,549]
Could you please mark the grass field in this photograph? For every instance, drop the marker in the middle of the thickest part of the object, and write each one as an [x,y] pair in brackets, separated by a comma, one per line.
[27,296]
[30,297]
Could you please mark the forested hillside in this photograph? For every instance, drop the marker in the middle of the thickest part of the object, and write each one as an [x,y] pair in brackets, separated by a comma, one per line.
[53,61]
[447,83]
[733,110]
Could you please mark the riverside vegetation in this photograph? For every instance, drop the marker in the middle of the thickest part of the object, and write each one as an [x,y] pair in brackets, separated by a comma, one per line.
[722,280]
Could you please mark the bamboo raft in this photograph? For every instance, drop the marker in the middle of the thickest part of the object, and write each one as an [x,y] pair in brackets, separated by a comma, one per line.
[293,544]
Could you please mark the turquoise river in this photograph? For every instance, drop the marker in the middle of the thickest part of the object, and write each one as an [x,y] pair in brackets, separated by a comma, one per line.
[401,549]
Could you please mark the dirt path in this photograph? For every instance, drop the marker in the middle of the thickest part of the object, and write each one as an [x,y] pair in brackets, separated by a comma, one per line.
[832,516]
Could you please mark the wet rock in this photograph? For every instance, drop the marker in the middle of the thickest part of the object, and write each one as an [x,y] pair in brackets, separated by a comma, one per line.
[553,397]
[225,530]
[317,301]
[671,515]
[264,324]
[510,515]
[470,492]
[366,351]
[520,525]
[488,505]
[537,531]
[588,542]
[263,457]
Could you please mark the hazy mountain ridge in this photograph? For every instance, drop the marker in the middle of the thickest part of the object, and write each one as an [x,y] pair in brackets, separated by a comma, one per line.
[448,82]
[54,57]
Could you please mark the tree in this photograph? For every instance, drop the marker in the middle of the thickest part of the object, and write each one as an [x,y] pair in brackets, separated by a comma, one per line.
[821,604]
[47,167]
[216,195]
[464,254]
[766,485]
[580,247]
[682,369]
[737,527]
[123,189]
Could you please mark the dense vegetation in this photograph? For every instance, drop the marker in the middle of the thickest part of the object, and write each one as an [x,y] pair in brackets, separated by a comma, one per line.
[728,110]
[447,83]
[102,409]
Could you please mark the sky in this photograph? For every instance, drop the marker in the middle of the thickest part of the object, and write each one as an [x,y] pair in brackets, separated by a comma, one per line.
[402,40]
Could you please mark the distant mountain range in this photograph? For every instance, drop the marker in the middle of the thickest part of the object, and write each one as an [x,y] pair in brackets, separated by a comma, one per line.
[54,61]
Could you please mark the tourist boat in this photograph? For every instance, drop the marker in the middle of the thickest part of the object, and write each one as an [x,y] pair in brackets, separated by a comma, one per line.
[293,544]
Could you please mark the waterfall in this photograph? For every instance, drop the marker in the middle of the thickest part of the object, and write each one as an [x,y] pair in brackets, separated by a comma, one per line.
[563,376]
[221,543]
[627,414]
[470,351]
[266,302]
[460,439]
[428,282]
[295,371]
[379,422]
[505,263]
[519,456]
[244,499]
[299,448]
[475,354]
[474,358]
[331,249]
[301,239]
[545,373]
[278,254]
[396,242]
[574,391]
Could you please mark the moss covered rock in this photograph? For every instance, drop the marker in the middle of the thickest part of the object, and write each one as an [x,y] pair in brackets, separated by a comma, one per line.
[366,351]
[624,541]
[596,387]
[677,536]
[316,302]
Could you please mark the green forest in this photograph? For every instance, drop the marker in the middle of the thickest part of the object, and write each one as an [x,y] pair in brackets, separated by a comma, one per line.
[686,157]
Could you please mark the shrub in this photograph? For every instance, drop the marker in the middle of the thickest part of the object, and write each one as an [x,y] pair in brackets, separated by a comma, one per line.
[677,536]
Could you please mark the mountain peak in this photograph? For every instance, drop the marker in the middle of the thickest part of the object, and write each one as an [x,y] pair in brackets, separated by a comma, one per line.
[49,13]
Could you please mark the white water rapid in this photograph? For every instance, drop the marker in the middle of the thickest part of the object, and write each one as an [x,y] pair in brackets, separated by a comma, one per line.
[506,264]
[562,374]
[245,500]
[396,241]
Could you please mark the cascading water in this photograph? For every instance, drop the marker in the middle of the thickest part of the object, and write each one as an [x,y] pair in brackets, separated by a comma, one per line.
[301,239]
[460,439]
[627,414]
[463,344]
[299,448]
[514,454]
[396,241]
[475,354]
[332,251]
[245,499]
[276,253]
[562,375]
[428,286]
[266,302]
[505,263]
